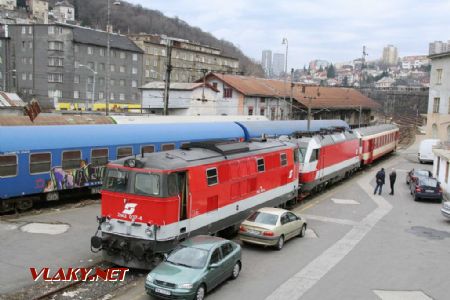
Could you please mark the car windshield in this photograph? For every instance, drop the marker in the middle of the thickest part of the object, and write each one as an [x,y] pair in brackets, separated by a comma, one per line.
[428,182]
[188,257]
[422,173]
[116,180]
[263,218]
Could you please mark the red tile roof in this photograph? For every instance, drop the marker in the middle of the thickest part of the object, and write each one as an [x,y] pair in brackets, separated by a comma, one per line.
[321,97]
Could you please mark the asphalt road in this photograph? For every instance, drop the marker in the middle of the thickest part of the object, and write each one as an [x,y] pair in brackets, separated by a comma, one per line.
[381,247]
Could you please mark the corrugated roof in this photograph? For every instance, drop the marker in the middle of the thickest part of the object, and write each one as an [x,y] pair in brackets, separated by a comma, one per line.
[321,97]
[99,38]
[10,100]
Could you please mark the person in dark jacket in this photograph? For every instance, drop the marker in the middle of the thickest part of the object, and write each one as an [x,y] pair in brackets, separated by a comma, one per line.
[392,178]
[380,181]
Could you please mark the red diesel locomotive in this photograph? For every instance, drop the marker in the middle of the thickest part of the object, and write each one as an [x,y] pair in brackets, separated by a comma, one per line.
[151,203]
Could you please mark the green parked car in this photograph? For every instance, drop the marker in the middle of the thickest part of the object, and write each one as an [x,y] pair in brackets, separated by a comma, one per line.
[194,268]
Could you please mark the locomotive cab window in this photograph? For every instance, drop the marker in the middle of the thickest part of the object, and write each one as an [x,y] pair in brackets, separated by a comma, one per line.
[40,163]
[212,177]
[99,157]
[167,147]
[283,159]
[147,149]
[71,159]
[260,164]
[124,152]
[8,165]
[146,184]
[116,180]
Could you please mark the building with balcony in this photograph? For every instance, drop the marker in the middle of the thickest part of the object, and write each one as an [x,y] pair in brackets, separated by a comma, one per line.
[190,61]
[438,116]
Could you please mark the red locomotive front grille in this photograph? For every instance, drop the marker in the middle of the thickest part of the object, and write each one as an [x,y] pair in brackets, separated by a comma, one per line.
[142,209]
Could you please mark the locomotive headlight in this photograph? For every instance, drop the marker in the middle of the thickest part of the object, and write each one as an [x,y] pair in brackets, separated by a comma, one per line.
[149,231]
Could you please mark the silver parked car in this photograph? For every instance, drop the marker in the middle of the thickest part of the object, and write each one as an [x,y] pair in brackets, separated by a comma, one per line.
[445,210]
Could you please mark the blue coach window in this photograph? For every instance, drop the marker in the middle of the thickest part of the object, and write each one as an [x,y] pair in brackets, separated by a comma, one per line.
[99,157]
[147,149]
[8,165]
[40,163]
[124,152]
[71,159]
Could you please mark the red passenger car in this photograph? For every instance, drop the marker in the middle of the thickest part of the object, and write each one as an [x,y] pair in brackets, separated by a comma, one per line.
[377,141]
[151,203]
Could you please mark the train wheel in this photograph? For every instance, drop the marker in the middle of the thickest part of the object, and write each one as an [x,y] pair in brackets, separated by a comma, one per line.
[23,205]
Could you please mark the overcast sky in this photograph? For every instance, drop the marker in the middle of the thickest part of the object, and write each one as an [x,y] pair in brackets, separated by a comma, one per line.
[316,29]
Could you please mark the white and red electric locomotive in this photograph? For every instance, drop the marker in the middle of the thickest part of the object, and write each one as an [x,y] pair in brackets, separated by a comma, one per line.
[326,157]
[150,203]
[333,154]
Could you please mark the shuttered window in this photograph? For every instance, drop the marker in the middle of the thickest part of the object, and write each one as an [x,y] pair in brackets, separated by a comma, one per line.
[40,163]
[8,165]
[71,159]
[124,152]
[99,157]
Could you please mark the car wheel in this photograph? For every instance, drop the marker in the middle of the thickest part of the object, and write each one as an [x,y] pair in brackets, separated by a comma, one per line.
[201,292]
[302,231]
[416,198]
[280,243]
[236,270]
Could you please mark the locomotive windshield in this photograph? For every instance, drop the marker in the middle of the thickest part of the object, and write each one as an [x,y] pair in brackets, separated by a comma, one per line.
[116,180]
[302,152]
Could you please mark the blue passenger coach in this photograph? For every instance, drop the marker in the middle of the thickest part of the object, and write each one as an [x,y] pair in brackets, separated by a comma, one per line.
[41,162]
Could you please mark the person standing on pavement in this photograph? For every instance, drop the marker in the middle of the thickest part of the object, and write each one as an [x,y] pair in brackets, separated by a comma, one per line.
[380,181]
[392,178]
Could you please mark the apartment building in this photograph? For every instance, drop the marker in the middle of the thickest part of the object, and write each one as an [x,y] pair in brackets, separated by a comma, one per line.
[190,61]
[65,66]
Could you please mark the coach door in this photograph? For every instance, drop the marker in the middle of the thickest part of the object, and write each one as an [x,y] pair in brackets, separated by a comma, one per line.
[371,148]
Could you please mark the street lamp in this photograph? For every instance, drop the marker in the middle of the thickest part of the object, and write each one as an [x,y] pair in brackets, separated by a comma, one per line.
[285,42]
[108,54]
[93,84]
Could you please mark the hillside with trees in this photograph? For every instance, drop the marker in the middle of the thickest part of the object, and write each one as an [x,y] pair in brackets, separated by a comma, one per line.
[129,18]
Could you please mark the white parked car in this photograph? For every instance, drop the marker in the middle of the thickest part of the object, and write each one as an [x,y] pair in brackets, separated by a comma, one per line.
[445,210]
[426,150]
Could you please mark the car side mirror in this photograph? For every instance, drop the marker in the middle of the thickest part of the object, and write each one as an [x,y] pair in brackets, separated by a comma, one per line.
[166,256]
[214,266]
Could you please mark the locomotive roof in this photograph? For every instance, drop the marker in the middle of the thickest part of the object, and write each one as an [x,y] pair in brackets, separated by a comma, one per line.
[364,131]
[179,158]
[276,128]
[327,139]
[32,138]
